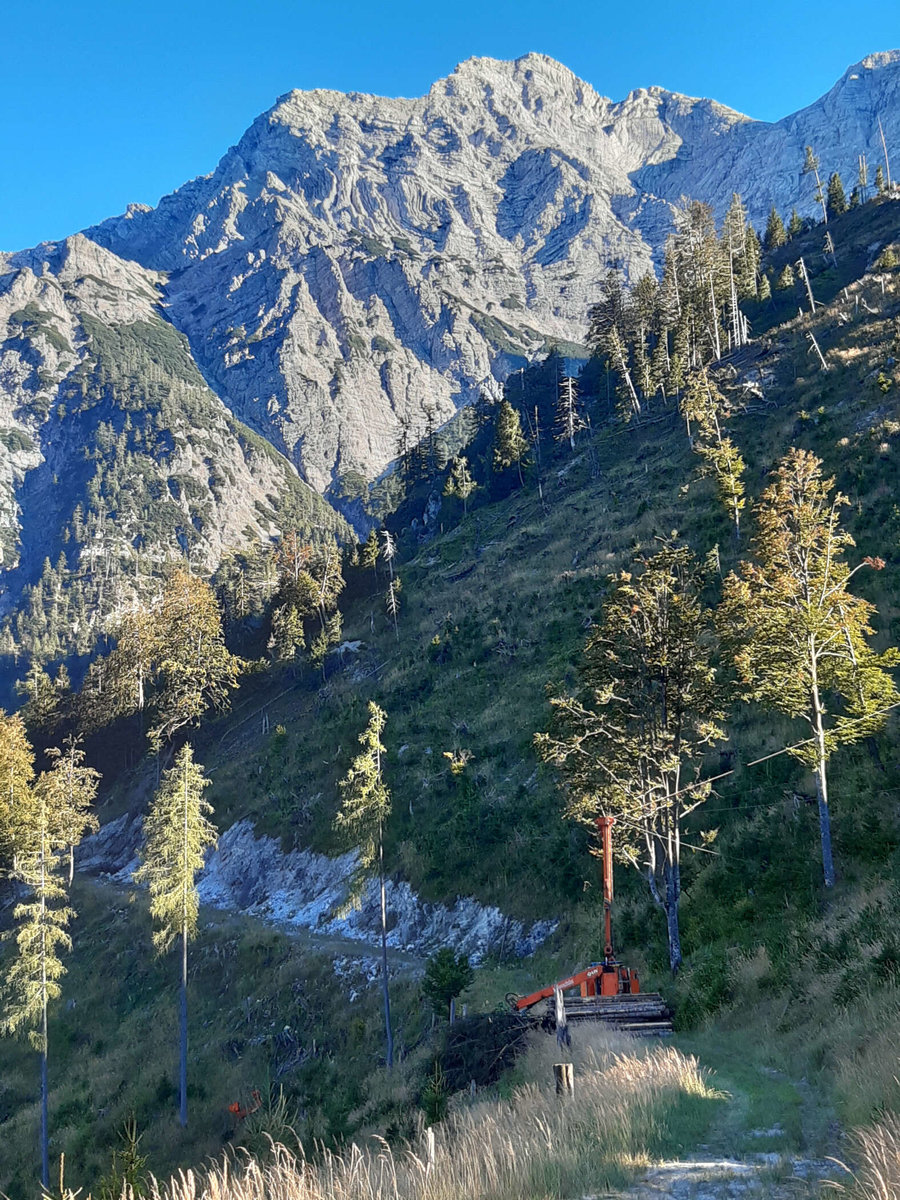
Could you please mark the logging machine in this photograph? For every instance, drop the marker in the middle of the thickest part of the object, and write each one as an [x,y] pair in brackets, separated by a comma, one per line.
[607,991]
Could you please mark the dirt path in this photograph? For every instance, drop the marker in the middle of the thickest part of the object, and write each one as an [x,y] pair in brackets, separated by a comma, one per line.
[771,1138]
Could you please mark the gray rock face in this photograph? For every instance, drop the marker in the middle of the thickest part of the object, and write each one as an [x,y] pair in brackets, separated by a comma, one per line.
[305,890]
[354,259]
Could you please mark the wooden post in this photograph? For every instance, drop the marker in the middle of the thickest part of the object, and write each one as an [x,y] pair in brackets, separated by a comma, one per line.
[472,1089]
[564,1075]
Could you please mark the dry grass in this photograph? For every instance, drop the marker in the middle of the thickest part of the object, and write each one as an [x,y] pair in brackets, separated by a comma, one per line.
[532,1145]
[877,1151]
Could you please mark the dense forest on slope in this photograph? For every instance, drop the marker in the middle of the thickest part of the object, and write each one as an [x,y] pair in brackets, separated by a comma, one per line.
[499,588]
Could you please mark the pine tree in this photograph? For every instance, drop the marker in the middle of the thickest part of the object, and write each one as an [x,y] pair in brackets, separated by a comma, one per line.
[69,790]
[365,807]
[765,289]
[836,200]
[797,634]
[32,978]
[648,707]
[795,225]
[510,446]
[460,482]
[880,185]
[786,278]
[177,834]
[775,234]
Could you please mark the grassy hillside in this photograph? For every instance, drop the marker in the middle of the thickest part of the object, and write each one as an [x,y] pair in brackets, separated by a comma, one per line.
[496,606]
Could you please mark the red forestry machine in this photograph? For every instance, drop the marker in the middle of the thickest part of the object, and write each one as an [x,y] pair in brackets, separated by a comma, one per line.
[607,991]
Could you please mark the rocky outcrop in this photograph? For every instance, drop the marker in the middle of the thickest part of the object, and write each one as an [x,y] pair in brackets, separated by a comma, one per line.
[305,890]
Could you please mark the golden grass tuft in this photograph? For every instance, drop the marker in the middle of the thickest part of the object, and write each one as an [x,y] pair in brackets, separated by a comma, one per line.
[877,1151]
[531,1144]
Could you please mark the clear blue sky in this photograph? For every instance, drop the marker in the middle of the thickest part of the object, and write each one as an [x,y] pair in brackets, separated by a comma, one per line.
[102,104]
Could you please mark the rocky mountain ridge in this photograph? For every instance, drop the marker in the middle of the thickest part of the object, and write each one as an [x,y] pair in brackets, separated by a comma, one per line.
[353,268]
[355,260]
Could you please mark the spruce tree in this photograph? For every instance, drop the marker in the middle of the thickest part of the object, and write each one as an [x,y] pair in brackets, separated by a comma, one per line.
[32,978]
[836,200]
[510,446]
[795,225]
[365,807]
[177,834]
[786,278]
[460,482]
[880,185]
[775,234]
[798,636]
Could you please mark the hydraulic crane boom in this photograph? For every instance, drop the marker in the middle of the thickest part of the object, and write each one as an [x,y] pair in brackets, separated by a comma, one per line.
[608,991]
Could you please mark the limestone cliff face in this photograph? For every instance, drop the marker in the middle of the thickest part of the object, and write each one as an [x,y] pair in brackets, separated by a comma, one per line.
[354,259]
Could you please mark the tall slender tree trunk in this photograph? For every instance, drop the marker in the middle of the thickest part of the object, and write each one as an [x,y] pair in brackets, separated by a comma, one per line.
[822,793]
[673,933]
[389,1036]
[45,1121]
[182,1115]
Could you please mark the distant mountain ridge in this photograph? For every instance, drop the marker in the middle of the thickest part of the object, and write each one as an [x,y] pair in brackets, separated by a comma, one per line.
[351,265]
[354,257]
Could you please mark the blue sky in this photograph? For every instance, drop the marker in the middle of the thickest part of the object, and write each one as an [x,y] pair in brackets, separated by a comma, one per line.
[102,104]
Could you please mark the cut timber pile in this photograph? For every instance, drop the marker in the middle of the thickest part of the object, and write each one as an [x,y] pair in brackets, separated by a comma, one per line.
[644,1015]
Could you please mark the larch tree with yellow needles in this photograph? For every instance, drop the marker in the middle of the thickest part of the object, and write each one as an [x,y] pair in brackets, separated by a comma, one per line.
[177,834]
[630,742]
[799,638]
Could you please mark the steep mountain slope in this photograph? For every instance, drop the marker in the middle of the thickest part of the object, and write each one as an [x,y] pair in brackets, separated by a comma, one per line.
[355,260]
[114,454]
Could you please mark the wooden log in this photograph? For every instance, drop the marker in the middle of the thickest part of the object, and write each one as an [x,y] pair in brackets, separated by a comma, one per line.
[564,1076]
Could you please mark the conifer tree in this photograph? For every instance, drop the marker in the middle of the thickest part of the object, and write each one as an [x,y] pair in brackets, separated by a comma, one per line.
[568,417]
[32,979]
[798,636]
[786,278]
[196,671]
[775,234]
[880,185]
[17,802]
[630,742]
[765,289]
[510,445]
[836,200]
[69,790]
[795,225]
[460,482]
[704,407]
[177,834]
[365,807]
[811,167]
[368,551]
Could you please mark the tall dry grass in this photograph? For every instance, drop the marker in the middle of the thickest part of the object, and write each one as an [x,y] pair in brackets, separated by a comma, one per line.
[532,1145]
[877,1152]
